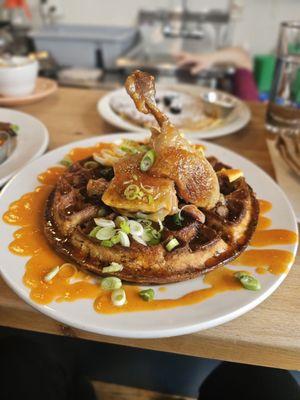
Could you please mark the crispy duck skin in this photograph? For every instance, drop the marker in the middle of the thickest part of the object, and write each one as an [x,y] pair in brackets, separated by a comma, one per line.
[194,177]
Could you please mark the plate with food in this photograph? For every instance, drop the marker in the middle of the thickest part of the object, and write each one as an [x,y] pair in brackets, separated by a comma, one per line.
[145,235]
[22,138]
[197,111]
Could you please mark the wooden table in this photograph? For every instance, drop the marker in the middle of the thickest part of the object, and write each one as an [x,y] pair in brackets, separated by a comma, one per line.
[268,335]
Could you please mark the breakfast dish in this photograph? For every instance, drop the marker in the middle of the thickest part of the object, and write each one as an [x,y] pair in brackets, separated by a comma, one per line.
[177,308]
[184,110]
[186,107]
[25,138]
[144,237]
[182,215]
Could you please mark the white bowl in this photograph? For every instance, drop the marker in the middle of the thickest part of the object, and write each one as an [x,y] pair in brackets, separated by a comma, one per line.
[18,77]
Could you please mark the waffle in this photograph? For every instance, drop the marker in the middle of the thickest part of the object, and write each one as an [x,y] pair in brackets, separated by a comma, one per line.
[203,244]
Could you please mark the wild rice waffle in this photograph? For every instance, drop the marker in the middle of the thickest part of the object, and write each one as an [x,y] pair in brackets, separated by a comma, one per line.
[227,230]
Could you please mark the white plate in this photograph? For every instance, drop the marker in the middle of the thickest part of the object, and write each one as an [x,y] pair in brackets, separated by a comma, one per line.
[31,142]
[164,323]
[239,117]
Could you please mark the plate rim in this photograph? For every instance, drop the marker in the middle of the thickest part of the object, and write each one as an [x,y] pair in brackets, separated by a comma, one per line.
[44,144]
[155,333]
[108,114]
[12,101]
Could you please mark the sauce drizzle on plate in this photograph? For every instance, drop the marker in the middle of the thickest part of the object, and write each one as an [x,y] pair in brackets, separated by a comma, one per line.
[71,284]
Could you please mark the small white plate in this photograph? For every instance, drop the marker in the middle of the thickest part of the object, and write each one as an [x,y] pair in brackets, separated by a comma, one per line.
[236,120]
[152,324]
[31,142]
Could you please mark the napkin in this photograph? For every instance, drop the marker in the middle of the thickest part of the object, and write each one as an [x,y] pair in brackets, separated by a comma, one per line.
[286,178]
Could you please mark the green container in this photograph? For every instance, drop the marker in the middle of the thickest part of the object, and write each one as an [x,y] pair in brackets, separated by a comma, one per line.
[264,65]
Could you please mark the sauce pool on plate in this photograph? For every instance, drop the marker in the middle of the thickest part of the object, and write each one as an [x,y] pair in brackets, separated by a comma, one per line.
[71,284]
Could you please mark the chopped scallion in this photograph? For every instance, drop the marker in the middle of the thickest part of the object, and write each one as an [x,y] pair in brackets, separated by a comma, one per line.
[115,239]
[178,219]
[131,192]
[51,274]
[90,165]
[113,267]
[107,243]
[94,231]
[105,233]
[148,160]
[172,244]
[66,162]
[124,239]
[118,297]
[139,240]
[101,212]
[124,226]
[248,281]
[135,228]
[147,294]
[104,223]
[111,283]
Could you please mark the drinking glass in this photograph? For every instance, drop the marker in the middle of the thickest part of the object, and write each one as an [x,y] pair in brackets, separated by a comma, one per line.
[283,113]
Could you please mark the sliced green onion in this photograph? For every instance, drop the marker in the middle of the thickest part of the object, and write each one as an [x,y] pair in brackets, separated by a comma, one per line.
[51,274]
[115,239]
[118,297]
[150,199]
[105,233]
[147,294]
[124,226]
[131,192]
[177,218]
[151,236]
[141,195]
[248,281]
[112,267]
[124,239]
[104,223]
[155,234]
[180,211]
[111,283]
[147,188]
[66,162]
[148,160]
[139,240]
[153,242]
[135,177]
[141,215]
[128,149]
[135,228]
[15,128]
[145,222]
[90,165]
[107,243]
[172,244]
[161,227]
[120,219]
[101,212]
[147,236]
[94,231]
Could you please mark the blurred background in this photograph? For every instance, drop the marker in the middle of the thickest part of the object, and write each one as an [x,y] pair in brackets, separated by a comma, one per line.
[102,41]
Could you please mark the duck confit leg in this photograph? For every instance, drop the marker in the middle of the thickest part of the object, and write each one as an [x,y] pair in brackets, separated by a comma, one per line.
[195,179]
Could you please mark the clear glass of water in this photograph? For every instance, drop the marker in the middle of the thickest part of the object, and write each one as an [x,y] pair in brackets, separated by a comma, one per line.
[283,113]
